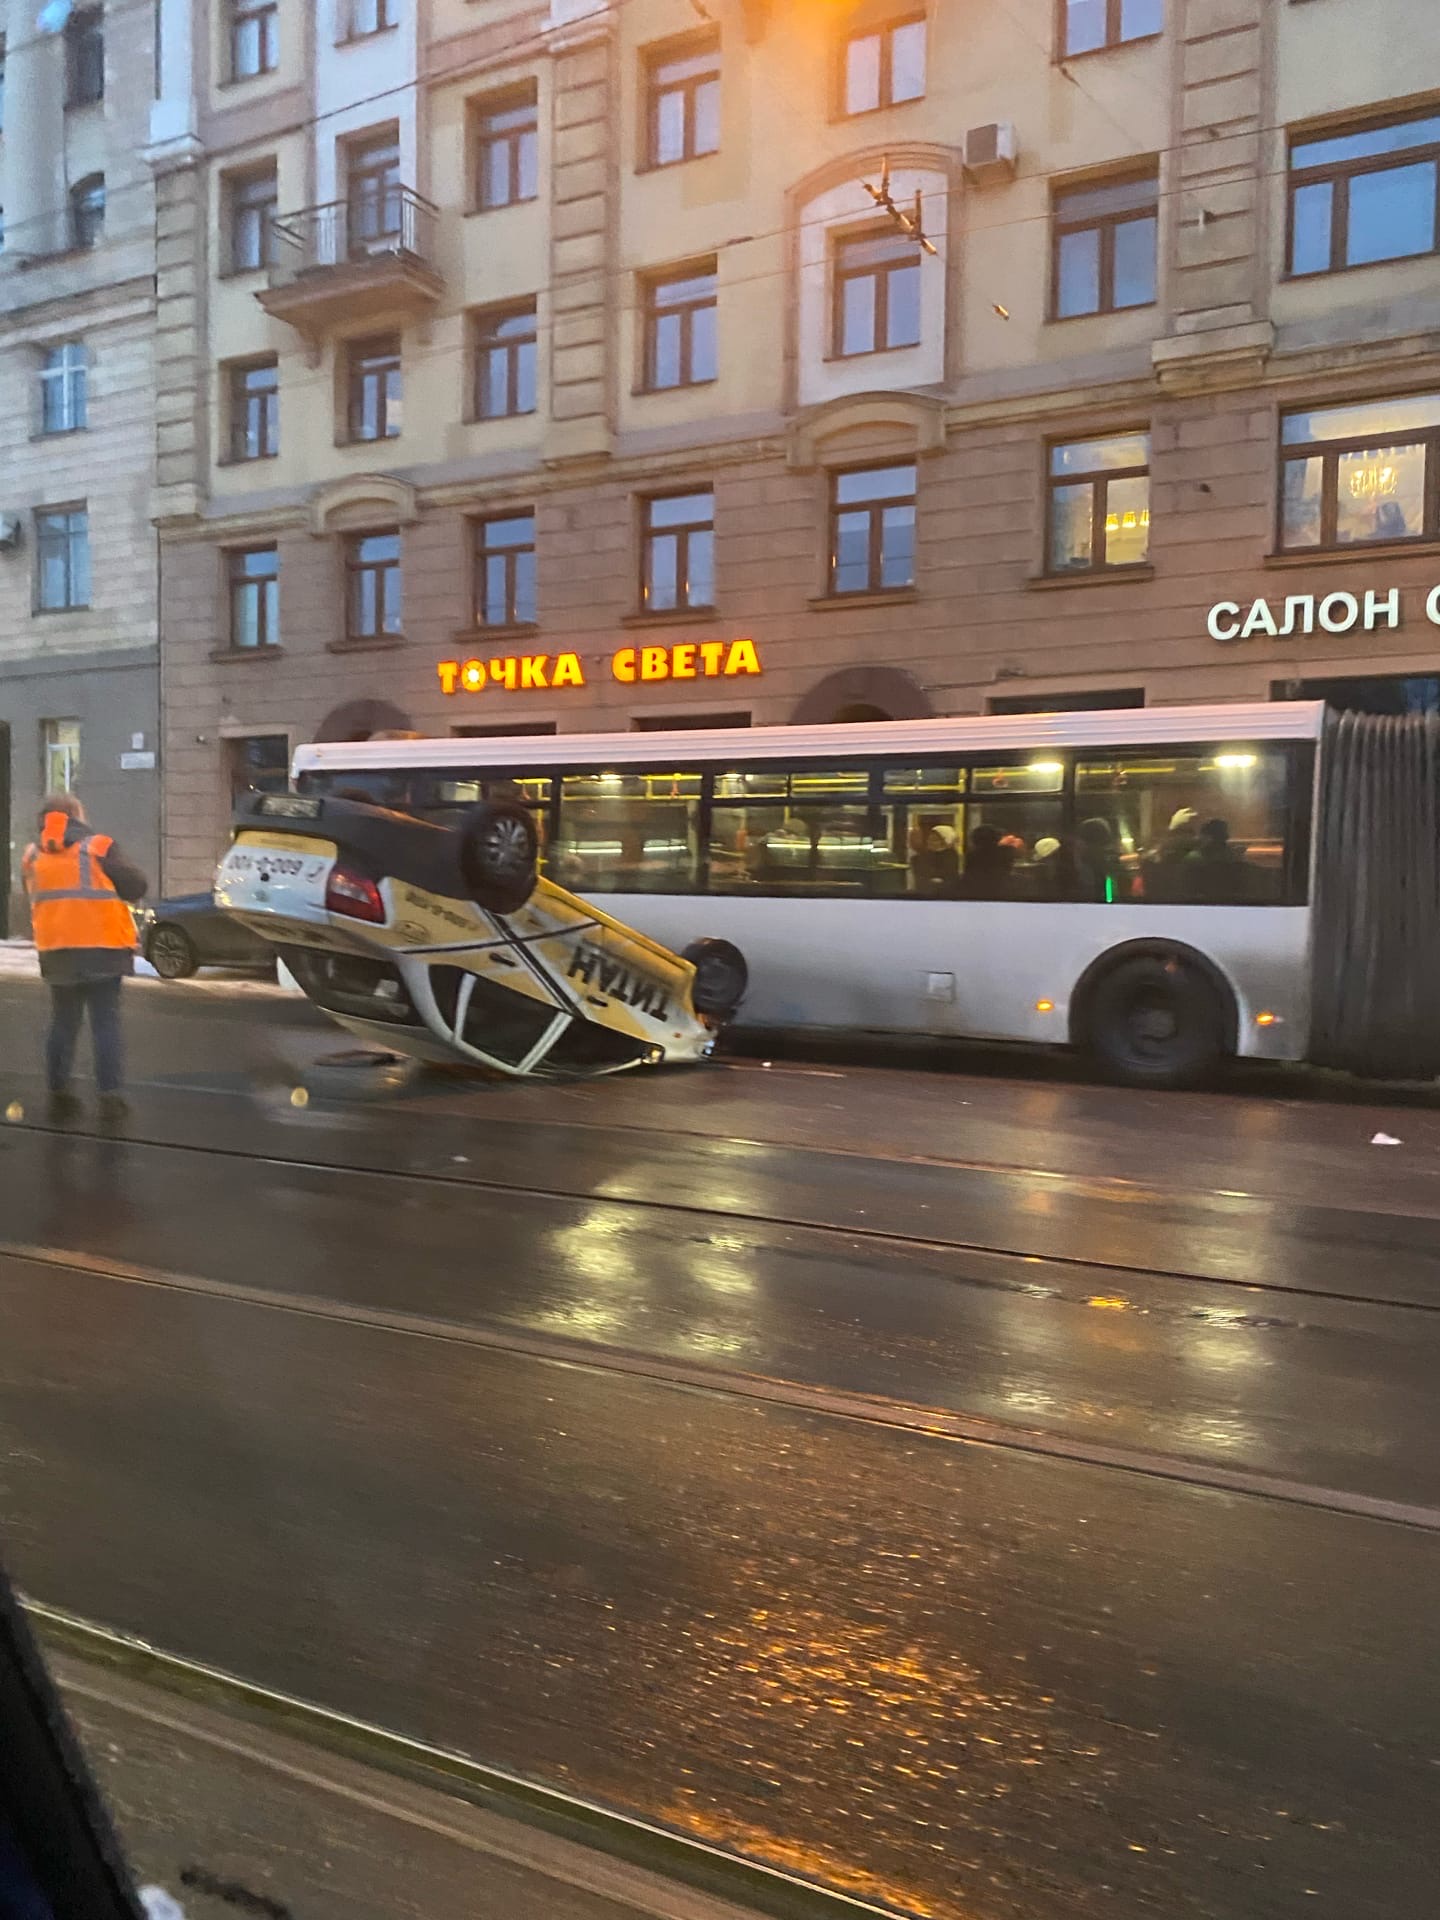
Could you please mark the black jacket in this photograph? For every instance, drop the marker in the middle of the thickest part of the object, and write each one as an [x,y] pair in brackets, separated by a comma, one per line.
[68,966]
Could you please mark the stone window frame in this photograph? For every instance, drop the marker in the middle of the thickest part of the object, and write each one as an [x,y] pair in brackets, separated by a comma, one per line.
[243,401]
[1105,224]
[373,358]
[268,596]
[247,19]
[655,59]
[509,555]
[884,29]
[240,194]
[682,532]
[504,102]
[1099,479]
[653,310]
[357,567]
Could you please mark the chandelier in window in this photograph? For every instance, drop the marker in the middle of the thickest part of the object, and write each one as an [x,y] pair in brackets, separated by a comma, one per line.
[1375,480]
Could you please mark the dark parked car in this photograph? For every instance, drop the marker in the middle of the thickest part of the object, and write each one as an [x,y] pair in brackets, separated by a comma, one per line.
[177,936]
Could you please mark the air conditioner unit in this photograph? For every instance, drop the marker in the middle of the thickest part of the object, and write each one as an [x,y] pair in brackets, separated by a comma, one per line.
[990,151]
[12,529]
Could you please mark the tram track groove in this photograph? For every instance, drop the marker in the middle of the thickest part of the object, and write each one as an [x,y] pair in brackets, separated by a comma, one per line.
[939,1424]
[558,1194]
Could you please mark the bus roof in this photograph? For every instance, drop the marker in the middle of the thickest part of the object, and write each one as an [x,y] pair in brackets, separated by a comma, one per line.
[1120,727]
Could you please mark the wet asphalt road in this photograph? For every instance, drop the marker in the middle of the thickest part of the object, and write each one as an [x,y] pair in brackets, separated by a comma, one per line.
[1001,1499]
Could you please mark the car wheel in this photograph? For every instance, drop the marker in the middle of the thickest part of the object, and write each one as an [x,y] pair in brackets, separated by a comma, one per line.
[499,848]
[171,952]
[1156,1022]
[721,977]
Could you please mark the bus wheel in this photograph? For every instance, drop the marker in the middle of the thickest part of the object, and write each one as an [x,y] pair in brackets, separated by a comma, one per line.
[721,977]
[1155,1022]
[498,851]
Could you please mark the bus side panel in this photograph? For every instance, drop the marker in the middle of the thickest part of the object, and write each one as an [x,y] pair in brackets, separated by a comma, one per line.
[984,969]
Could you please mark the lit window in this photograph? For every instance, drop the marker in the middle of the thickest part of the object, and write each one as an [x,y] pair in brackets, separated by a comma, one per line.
[678,565]
[1353,476]
[63,397]
[1104,237]
[683,104]
[680,312]
[885,67]
[60,755]
[1099,506]
[505,571]
[872,530]
[1361,197]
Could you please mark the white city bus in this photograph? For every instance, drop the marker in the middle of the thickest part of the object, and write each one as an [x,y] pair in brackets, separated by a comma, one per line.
[1134,882]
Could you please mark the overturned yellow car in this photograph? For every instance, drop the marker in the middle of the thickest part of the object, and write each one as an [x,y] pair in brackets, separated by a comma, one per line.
[446,942]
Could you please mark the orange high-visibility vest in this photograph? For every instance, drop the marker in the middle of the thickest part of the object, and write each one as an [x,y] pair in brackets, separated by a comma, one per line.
[73,902]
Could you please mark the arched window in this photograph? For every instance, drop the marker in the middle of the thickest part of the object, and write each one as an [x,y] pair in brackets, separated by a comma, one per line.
[87,210]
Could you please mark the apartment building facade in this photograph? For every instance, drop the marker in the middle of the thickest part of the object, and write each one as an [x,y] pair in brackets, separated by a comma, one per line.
[78,584]
[611,363]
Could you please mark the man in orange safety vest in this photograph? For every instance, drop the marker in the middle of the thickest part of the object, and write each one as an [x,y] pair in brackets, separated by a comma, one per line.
[79,883]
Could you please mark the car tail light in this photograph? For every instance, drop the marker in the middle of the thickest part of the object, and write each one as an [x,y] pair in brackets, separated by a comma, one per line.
[355,895]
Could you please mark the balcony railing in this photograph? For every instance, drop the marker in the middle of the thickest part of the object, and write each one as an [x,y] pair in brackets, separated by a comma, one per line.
[365,254]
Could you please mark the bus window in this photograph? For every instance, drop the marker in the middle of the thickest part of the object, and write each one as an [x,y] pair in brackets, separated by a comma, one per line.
[796,831]
[1203,826]
[1013,850]
[627,833]
[1040,772]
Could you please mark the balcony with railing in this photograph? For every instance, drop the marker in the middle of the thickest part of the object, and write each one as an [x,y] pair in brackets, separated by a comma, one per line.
[368,257]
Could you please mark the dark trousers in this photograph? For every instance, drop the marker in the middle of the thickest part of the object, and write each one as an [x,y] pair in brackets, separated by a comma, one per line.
[68,1005]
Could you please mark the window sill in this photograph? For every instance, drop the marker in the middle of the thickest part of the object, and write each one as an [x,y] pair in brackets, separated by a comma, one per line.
[871,353]
[1093,577]
[243,273]
[1098,313]
[889,597]
[245,79]
[247,459]
[841,116]
[1334,556]
[521,200]
[518,630]
[362,39]
[368,440]
[51,613]
[669,617]
[58,433]
[371,643]
[680,386]
[247,653]
[683,160]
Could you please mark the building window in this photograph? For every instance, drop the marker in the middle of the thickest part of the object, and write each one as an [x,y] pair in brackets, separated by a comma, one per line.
[255,410]
[678,565]
[877,293]
[680,315]
[1370,195]
[374,199]
[507,148]
[1105,247]
[365,17]
[257,763]
[372,586]
[84,57]
[682,104]
[254,38]
[885,67]
[505,362]
[59,755]
[1099,507]
[376,408]
[1353,476]
[505,571]
[254,574]
[87,210]
[872,530]
[62,559]
[1087,25]
[64,373]
[252,201]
